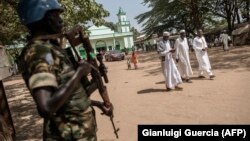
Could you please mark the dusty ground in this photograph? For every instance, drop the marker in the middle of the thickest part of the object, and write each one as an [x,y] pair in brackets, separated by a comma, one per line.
[139,97]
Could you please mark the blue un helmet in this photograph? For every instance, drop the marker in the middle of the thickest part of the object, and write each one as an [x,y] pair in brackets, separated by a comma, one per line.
[31,11]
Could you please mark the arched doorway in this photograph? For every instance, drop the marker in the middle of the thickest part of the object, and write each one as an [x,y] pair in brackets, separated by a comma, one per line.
[101,46]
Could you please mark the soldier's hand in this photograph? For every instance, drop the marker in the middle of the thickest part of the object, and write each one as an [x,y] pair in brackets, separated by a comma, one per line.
[84,67]
[107,109]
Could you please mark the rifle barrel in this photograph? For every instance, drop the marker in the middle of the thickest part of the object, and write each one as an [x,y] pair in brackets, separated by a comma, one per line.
[115,129]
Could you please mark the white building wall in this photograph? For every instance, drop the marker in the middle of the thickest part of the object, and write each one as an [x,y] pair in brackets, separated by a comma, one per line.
[123,29]
[121,41]
[94,30]
[126,42]
[128,29]
[110,42]
[131,41]
[123,18]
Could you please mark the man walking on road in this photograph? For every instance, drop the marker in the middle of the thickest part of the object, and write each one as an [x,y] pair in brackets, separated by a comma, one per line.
[170,71]
[200,47]
[182,57]
[224,39]
[160,50]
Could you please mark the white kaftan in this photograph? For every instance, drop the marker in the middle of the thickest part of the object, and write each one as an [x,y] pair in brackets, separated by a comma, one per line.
[182,53]
[224,38]
[202,57]
[171,72]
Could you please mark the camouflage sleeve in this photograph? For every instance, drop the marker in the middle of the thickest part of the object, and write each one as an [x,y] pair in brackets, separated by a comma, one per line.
[40,62]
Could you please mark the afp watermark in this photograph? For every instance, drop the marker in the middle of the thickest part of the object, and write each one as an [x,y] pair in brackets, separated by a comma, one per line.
[188,132]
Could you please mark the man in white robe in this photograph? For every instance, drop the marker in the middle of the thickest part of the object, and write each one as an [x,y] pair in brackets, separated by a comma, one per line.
[172,76]
[200,47]
[190,42]
[182,57]
[224,39]
[161,49]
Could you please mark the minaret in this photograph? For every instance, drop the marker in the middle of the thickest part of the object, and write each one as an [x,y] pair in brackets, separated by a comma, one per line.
[123,24]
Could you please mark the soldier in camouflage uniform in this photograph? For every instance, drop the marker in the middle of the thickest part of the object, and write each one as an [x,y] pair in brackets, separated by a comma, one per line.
[53,82]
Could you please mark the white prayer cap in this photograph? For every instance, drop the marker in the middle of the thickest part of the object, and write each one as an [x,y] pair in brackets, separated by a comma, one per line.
[183,31]
[166,33]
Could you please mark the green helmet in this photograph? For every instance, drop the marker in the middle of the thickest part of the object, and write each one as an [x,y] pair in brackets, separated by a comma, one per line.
[31,11]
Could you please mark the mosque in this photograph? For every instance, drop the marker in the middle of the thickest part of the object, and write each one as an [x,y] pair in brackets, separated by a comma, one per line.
[104,38]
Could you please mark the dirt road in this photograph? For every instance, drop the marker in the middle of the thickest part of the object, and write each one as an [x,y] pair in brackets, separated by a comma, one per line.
[139,97]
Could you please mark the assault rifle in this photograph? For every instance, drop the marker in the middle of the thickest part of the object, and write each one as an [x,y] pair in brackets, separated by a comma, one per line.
[77,37]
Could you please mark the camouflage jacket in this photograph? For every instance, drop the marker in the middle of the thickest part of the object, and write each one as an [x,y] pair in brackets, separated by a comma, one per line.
[46,65]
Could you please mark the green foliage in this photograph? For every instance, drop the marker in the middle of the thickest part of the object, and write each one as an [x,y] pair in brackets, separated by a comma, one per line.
[173,14]
[82,11]
[136,33]
[190,14]
[75,12]
[111,25]
[10,27]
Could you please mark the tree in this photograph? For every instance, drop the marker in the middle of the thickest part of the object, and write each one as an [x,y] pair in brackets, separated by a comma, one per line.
[153,20]
[174,14]
[229,10]
[192,14]
[82,11]
[111,25]
[75,12]
[136,33]
[245,9]
[10,27]
[226,9]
